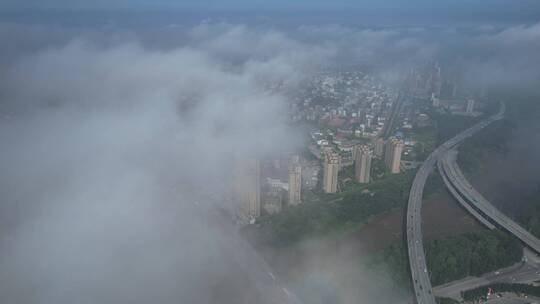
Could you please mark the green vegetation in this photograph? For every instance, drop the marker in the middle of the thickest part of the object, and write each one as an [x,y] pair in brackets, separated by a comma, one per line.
[322,214]
[378,169]
[470,254]
[395,258]
[481,292]
[448,126]
[379,173]
[531,217]
[299,222]
[446,301]
[456,257]
[434,184]
[493,139]
[346,174]
[426,138]
[445,126]
[396,183]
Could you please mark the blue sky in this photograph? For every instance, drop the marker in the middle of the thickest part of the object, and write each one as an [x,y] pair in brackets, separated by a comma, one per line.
[314,11]
[277,4]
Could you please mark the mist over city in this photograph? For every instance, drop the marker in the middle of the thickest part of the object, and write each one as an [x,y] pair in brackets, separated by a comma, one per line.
[252,152]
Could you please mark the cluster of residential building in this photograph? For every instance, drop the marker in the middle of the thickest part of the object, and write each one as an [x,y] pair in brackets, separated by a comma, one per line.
[456,106]
[354,103]
[389,150]
[269,186]
[444,92]
[265,188]
[353,113]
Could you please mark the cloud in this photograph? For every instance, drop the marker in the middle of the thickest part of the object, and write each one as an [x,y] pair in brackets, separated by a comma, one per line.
[491,55]
[505,57]
[107,147]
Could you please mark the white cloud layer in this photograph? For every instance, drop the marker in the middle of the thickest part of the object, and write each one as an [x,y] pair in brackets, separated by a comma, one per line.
[106,148]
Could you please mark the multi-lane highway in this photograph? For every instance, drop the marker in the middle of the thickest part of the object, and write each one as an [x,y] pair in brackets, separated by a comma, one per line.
[462,201]
[417,262]
[394,112]
[523,273]
[526,271]
[420,276]
[464,190]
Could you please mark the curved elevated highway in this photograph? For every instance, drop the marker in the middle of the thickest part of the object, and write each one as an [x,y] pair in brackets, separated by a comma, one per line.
[464,190]
[525,272]
[420,276]
[462,201]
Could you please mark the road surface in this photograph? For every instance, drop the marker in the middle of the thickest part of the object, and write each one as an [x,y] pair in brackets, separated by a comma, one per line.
[419,273]
[462,201]
[523,272]
[464,190]
[396,108]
